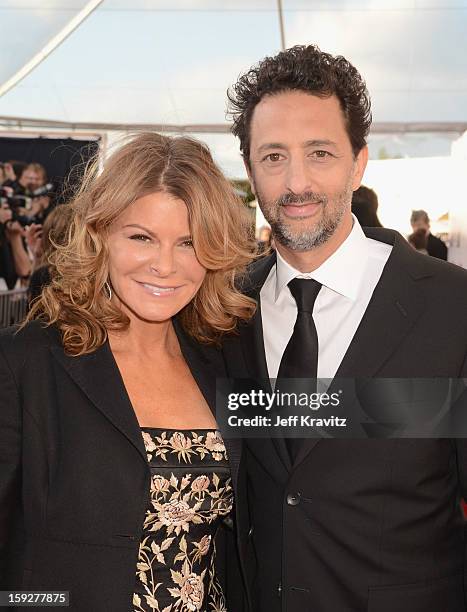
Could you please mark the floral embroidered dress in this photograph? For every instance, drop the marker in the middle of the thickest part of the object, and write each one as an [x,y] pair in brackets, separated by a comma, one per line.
[191,493]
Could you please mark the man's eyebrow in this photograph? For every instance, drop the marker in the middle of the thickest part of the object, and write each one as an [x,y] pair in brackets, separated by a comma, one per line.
[320,143]
[271,145]
[308,143]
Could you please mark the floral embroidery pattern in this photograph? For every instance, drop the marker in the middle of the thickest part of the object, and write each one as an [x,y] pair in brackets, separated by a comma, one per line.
[175,569]
[184,446]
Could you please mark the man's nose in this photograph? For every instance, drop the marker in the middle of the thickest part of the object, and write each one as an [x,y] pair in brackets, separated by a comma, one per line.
[298,178]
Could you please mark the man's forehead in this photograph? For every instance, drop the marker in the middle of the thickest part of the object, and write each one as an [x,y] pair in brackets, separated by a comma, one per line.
[297,117]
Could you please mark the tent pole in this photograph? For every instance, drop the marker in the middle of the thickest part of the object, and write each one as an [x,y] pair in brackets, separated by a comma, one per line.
[281,23]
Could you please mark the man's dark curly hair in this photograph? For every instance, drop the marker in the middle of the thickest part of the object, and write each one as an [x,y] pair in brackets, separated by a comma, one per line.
[308,69]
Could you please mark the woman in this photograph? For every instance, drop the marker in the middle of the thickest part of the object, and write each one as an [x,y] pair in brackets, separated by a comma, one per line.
[114,478]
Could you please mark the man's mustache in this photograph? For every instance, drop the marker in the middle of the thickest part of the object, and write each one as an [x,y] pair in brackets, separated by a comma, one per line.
[310,197]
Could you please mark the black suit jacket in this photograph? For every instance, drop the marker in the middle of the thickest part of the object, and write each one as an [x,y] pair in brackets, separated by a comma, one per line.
[74,476]
[436,247]
[354,524]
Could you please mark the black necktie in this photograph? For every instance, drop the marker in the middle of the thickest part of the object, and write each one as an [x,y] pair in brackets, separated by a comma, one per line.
[300,358]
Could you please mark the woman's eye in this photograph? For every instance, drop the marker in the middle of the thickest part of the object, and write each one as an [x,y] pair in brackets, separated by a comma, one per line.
[188,244]
[140,237]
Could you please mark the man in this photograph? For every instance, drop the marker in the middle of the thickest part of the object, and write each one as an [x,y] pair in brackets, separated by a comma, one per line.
[345,525]
[32,177]
[419,220]
[35,208]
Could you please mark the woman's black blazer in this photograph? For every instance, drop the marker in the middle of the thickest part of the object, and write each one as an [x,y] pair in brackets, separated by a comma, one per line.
[74,477]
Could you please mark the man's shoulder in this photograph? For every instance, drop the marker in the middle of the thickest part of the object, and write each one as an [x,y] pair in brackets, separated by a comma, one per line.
[441,270]
[257,272]
[415,262]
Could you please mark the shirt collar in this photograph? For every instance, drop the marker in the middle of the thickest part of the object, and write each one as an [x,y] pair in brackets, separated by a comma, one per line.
[342,272]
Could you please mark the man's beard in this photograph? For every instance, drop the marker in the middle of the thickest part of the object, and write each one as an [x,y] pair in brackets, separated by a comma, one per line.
[307,238]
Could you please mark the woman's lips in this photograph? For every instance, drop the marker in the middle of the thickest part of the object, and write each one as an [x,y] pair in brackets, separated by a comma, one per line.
[158,290]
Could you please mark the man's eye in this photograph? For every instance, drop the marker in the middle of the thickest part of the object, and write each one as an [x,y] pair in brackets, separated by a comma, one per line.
[273,157]
[321,154]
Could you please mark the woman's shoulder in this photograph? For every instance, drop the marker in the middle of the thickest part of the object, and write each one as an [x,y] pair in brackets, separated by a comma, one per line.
[32,337]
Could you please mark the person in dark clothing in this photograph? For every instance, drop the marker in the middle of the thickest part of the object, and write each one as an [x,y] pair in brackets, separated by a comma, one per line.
[54,232]
[334,525]
[435,246]
[14,260]
[7,267]
[107,406]
[13,171]
[365,207]
[419,241]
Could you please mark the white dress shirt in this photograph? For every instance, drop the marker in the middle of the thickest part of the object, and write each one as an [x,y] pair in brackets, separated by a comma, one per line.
[348,280]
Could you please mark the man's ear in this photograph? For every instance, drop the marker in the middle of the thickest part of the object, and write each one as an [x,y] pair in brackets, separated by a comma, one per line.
[246,163]
[359,169]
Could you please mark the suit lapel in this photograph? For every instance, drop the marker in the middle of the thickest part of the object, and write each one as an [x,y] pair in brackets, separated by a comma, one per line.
[99,378]
[251,333]
[252,341]
[395,306]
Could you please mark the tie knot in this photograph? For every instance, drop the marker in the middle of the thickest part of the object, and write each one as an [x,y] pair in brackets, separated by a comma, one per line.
[305,291]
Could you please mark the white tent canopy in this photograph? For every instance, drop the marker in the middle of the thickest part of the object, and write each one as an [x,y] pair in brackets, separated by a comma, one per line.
[169,62]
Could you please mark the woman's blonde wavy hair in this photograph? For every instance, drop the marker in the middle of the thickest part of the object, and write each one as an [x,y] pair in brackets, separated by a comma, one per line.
[76,300]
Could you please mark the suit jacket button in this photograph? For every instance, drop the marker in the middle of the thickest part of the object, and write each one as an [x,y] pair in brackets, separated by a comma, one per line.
[228,522]
[251,531]
[279,590]
[293,499]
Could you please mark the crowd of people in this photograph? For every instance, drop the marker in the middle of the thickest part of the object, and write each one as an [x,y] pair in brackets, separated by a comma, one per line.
[26,199]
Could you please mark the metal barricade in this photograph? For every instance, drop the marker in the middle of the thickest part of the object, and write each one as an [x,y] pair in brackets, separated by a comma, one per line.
[13,306]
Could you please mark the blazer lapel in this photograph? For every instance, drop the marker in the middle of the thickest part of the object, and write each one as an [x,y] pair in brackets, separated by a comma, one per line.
[99,378]
[393,310]
[206,365]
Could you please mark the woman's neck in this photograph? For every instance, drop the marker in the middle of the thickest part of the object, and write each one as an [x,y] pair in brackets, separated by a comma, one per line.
[146,339]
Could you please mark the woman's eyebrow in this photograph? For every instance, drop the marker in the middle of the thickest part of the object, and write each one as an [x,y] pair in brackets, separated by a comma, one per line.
[153,234]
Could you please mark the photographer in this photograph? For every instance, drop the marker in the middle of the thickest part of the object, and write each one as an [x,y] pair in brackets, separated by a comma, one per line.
[14,260]
[13,170]
[30,196]
[37,188]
